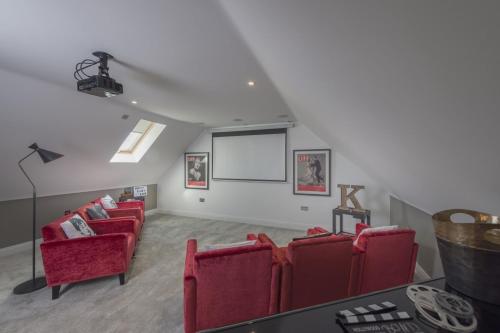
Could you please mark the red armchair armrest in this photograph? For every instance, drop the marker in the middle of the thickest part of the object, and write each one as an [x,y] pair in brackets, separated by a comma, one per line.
[190,288]
[251,237]
[123,212]
[279,253]
[360,227]
[357,266]
[71,260]
[413,263]
[131,204]
[316,230]
[115,225]
[191,249]
[264,239]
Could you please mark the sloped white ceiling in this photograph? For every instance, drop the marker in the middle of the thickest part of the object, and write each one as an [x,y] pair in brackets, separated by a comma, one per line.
[87,130]
[410,90]
[180,59]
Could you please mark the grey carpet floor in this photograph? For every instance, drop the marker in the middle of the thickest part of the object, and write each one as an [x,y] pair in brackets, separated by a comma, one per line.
[150,301]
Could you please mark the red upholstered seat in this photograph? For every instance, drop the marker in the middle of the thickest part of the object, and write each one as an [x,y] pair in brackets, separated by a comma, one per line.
[82,211]
[386,258]
[127,208]
[227,286]
[71,260]
[389,259]
[314,271]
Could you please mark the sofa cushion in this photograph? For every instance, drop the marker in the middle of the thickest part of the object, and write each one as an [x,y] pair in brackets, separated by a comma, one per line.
[227,246]
[96,212]
[374,230]
[108,203]
[76,227]
[323,234]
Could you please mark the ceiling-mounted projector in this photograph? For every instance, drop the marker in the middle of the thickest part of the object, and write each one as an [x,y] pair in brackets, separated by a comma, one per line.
[102,84]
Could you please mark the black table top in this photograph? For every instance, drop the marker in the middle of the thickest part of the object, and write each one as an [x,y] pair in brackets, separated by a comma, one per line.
[322,318]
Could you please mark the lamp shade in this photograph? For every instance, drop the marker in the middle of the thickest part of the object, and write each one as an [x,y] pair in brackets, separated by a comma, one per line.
[46,155]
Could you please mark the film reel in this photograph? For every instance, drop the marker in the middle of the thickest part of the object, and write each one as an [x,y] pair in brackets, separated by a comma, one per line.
[414,289]
[454,305]
[426,306]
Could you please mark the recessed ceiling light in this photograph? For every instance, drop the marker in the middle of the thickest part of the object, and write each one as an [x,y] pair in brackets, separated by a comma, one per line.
[251,83]
[237,119]
[134,102]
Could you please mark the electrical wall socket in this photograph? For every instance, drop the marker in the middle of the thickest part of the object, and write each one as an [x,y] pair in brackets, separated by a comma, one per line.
[304,208]
[202,199]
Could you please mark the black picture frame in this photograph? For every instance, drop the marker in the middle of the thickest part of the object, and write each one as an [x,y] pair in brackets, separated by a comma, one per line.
[206,172]
[314,190]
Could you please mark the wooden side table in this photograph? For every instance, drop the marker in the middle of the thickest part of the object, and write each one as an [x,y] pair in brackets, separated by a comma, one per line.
[363,216]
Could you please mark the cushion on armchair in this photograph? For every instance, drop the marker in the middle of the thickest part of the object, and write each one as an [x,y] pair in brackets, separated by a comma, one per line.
[76,227]
[318,235]
[96,212]
[227,246]
[368,231]
[108,203]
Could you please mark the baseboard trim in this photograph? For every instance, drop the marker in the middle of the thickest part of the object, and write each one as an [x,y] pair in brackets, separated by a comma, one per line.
[238,219]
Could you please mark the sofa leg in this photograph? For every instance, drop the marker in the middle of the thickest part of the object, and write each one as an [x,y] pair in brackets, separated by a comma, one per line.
[55,292]
[121,276]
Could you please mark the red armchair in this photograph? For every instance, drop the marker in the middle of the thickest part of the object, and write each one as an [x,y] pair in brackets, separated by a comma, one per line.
[387,258]
[314,270]
[82,211]
[227,286]
[127,208]
[72,260]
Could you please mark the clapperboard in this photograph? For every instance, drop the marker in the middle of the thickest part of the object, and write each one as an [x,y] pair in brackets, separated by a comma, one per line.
[376,317]
[372,308]
[380,318]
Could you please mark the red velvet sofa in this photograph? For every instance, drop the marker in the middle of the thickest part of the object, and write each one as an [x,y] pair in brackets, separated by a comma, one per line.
[314,270]
[116,215]
[386,258]
[227,286]
[72,260]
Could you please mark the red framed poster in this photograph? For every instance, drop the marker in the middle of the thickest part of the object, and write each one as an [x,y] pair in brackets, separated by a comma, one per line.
[311,172]
[196,171]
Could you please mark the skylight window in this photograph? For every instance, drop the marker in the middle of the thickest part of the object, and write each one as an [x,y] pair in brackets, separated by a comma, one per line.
[138,142]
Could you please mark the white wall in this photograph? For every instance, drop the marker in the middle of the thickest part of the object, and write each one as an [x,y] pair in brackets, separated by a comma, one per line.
[269,203]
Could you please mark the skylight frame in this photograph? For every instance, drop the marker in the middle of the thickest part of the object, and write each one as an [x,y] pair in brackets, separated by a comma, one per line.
[137,141]
[133,152]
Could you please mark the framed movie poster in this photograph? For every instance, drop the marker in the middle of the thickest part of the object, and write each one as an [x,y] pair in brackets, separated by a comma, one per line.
[196,171]
[311,172]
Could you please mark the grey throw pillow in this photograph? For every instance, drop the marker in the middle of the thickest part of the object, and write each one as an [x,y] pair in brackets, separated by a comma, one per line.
[101,211]
[96,212]
[76,227]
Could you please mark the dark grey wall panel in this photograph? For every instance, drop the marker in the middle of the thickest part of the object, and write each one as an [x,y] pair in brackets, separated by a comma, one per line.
[16,216]
[406,215]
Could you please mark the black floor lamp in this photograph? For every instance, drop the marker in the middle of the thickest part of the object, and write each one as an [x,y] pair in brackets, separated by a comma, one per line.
[35,283]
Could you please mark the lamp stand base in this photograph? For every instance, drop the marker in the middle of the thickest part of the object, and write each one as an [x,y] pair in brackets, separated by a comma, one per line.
[30,286]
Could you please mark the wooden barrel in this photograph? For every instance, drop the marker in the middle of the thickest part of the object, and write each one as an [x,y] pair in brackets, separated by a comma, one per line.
[470,253]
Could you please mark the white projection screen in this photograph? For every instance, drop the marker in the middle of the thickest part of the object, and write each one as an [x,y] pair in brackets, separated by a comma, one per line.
[256,155]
